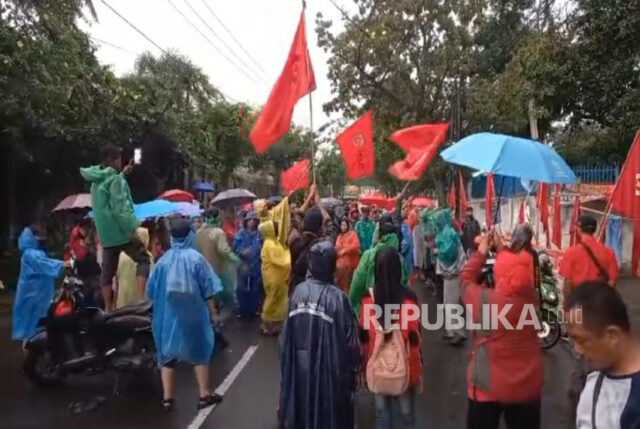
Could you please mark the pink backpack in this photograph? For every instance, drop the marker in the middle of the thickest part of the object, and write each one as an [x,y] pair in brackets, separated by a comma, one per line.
[388,366]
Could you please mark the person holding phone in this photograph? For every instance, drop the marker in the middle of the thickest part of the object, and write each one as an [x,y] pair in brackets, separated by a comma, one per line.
[115,220]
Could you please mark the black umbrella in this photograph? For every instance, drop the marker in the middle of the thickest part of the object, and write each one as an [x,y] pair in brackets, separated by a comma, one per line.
[233,197]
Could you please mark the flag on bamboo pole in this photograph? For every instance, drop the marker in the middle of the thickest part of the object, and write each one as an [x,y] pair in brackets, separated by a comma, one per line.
[356,145]
[557,219]
[575,214]
[543,209]
[295,81]
[296,176]
[420,143]
[464,202]
[488,201]
[625,198]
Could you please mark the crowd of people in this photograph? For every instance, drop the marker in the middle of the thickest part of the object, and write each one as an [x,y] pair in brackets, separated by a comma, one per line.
[314,273]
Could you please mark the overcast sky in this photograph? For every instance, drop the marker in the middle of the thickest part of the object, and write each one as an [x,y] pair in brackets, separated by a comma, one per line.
[264,27]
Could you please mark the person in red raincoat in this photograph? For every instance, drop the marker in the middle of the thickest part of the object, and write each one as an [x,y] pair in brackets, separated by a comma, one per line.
[348,248]
[505,370]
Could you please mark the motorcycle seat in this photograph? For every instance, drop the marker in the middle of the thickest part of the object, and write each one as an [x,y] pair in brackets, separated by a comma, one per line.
[138,309]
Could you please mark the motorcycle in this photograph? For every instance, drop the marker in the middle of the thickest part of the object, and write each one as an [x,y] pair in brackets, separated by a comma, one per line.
[550,331]
[75,338]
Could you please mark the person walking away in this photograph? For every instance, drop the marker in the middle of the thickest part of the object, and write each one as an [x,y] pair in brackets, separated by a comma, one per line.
[115,221]
[598,323]
[276,268]
[83,249]
[389,291]
[311,234]
[364,228]
[128,291]
[36,282]
[182,287]
[364,276]
[212,242]
[449,261]
[504,374]
[320,354]
[589,259]
[348,248]
[406,250]
[247,244]
[470,230]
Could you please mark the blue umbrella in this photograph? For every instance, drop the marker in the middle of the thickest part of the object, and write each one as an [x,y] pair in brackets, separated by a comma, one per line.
[204,187]
[154,208]
[510,156]
[188,209]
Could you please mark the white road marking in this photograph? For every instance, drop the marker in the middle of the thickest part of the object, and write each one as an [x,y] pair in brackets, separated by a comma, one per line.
[222,389]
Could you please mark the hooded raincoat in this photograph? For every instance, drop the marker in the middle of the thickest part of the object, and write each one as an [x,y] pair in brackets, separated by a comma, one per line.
[365,228]
[276,268]
[451,256]
[406,250]
[112,205]
[211,241]
[364,276]
[128,292]
[319,351]
[36,285]
[348,247]
[179,286]
[248,245]
[281,214]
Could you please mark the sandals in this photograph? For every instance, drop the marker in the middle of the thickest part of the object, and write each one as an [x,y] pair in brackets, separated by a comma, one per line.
[167,405]
[209,400]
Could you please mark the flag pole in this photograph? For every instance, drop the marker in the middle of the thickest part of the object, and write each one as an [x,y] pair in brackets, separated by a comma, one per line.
[313,161]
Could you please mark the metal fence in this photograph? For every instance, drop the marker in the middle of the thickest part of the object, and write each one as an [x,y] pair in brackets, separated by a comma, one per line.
[602,173]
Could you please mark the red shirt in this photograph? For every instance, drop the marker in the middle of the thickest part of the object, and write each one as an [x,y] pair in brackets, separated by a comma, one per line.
[577,266]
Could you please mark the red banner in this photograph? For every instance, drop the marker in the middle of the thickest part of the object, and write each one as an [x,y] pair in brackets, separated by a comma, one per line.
[356,144]
[297,176]
[420,143]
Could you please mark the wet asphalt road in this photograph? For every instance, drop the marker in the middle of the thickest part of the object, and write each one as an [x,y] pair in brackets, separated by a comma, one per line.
[251,400]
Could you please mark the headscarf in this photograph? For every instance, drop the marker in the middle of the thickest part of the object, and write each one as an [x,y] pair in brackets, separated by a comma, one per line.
[388,272]
[447,239]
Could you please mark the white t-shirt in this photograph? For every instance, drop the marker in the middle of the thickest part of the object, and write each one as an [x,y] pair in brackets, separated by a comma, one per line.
[618,404]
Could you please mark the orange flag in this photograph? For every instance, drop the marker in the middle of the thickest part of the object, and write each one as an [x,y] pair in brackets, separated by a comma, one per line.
[356,145]
[295,81]
[420,143]
[296,177]
[464,202]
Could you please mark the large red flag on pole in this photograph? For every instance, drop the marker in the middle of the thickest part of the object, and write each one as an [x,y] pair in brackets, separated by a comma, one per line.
[543,209]
[420,143]
[625,198]
[356,145]
[557,219]
[464,202]
[296,176]
[452,197]
[488,201]
[295,81]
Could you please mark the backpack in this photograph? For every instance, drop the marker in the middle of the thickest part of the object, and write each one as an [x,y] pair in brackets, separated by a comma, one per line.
[388,366]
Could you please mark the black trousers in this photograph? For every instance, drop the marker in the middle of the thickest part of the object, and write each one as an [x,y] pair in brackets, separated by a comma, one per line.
[486,415]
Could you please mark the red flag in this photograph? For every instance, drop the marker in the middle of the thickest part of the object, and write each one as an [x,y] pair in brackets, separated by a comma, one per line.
[543,209]
[464,202]
[488,201]
[356,144]
[557,219]
[625,198]
[575,214]
[521,215]
[295,81]
[420,143]
[297,176]
[452,197]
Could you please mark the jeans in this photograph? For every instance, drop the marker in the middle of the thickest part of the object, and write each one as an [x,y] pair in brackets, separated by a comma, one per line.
[396,412]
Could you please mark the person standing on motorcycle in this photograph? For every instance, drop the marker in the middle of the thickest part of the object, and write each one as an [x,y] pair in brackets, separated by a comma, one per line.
[181,288]
[36,282]
[505,369]
[114,218]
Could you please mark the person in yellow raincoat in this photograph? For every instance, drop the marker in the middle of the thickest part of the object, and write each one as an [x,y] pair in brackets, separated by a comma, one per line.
[280,214]
[128,290]
[276,267]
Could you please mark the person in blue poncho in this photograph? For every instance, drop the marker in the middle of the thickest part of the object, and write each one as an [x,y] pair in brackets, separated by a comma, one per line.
[181,287]
[247,244]
[36,283]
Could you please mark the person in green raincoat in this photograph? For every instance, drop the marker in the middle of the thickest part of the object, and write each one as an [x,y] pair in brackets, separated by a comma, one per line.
[363,277]
[211,241]
[364,228]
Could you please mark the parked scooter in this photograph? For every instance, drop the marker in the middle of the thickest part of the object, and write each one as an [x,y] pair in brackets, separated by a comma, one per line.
[550,331]
[79,339]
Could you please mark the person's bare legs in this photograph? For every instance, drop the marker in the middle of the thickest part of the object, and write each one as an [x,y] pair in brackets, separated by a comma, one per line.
[142,285]
[168,377]
[107,296]
[202,376]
